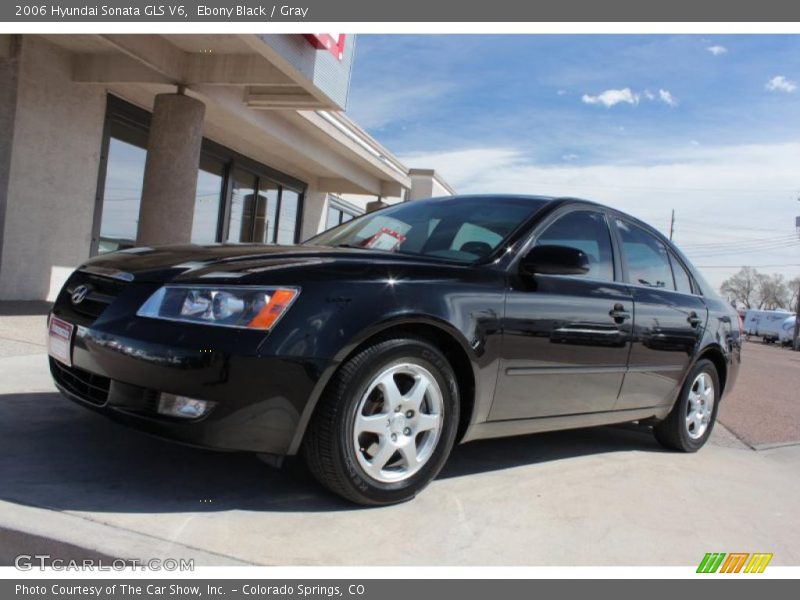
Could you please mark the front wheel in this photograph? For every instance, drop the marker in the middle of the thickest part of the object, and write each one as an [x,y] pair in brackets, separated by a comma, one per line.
[386,423]
[688,426]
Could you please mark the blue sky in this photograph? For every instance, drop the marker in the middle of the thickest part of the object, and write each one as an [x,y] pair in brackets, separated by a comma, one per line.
[706,125]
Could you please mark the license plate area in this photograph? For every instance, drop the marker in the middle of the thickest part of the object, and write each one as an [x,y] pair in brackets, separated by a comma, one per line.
[59,340]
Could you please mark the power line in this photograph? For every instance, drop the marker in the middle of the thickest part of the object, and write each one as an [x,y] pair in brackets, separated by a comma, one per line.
[738,243]
[773,247]
[752,266]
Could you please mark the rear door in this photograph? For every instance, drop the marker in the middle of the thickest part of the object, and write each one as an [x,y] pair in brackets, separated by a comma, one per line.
[669,323]
[565,337]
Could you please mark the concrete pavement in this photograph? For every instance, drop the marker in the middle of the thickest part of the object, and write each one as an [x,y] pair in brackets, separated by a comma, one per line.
[603,496]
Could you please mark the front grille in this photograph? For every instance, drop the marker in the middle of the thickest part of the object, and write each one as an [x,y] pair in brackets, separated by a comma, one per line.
[86,386]
[102,292]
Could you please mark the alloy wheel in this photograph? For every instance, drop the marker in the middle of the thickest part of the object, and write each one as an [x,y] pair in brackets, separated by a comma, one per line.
[700,406]
[398,422]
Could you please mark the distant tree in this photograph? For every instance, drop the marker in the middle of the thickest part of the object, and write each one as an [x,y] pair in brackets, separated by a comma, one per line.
[742,287]
[794,293]
[772,292]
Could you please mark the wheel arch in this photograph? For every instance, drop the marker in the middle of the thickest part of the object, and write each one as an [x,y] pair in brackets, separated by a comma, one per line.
[715,354]
[437,332]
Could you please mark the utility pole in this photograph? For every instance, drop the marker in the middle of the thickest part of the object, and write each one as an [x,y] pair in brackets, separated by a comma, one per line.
[796,338]
[672,225]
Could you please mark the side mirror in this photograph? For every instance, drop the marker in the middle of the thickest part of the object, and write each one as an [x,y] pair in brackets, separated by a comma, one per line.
[555,260]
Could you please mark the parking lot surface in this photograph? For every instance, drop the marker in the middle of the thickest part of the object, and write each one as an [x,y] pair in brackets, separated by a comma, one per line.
[764,408]
[602,496]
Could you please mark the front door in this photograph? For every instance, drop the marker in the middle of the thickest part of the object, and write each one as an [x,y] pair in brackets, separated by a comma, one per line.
[565,338]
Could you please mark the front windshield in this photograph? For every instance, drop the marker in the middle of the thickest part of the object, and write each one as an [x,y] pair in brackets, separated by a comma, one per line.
[460,229]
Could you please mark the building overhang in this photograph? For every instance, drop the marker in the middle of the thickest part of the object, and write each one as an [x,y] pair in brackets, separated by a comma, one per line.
[263,96]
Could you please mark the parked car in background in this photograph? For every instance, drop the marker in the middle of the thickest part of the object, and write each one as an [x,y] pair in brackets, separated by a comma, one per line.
[765,323]
[376,346]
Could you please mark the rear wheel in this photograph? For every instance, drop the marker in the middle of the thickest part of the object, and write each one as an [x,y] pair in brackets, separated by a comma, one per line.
[386,424]
[688,426]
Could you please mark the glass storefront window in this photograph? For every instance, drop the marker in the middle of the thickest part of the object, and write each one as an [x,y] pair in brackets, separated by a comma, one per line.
[123,187]
[206,204]
[249,196]
[267,207]
[243,203]
[287,219]
[339,212]
[266,217]
[334,218]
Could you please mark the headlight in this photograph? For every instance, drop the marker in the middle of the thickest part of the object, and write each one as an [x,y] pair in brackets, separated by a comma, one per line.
[226,306]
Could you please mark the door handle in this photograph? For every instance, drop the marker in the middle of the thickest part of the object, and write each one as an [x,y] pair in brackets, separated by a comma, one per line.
[693,319]
[618,313]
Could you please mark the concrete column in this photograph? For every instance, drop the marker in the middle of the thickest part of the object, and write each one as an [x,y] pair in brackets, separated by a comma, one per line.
[170,174]
[315,205]
[9,76]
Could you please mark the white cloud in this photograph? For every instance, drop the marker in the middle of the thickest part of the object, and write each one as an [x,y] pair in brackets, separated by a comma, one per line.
[562,92]
[694,142]
[781,84]
[610,98]
[666,97]
[717,50]
[570,157]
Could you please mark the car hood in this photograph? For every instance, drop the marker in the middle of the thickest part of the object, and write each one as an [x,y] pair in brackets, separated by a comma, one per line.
[226,261]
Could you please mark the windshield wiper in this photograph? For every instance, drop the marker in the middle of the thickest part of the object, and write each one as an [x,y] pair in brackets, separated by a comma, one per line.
[350,246]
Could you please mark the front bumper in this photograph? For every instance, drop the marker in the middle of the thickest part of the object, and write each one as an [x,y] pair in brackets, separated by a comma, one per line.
[121,365]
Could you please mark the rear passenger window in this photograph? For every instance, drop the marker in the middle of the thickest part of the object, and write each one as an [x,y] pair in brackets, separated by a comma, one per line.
[585,230]
[683,283]
[647,258]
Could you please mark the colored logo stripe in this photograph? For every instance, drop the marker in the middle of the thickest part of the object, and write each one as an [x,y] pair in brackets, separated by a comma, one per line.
[713,562]
[734,562]
[758,563]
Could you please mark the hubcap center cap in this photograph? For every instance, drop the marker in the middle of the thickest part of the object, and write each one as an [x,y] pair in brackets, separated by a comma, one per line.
[397,423]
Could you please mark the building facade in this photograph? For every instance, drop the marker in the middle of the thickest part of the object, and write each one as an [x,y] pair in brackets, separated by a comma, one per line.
[110,141]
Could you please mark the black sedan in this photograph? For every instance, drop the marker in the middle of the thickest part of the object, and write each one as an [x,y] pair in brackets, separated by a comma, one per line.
[376,346]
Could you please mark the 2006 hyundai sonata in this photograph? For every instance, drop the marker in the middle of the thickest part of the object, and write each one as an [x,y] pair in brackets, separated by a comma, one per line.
[376,346]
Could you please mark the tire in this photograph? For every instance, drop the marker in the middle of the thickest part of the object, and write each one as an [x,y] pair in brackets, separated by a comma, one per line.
[344,449]
[676,432]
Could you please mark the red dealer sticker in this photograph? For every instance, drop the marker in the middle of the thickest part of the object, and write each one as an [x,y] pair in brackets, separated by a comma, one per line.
[386,239]
[59,340]
[332,42]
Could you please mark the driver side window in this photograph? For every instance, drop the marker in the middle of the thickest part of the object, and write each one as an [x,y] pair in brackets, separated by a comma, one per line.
[585,230]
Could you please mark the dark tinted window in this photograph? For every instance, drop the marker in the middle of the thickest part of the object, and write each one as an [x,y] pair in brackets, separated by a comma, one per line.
[587,231]
[462,229]
[647,258]
[683,283]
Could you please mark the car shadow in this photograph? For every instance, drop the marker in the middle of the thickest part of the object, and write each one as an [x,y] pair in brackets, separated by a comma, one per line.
[57,455]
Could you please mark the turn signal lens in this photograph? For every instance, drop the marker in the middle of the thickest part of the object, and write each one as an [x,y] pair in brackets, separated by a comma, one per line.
[272,311]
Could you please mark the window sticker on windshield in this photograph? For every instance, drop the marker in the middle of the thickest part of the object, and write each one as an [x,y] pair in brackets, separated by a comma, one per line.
[386,239]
